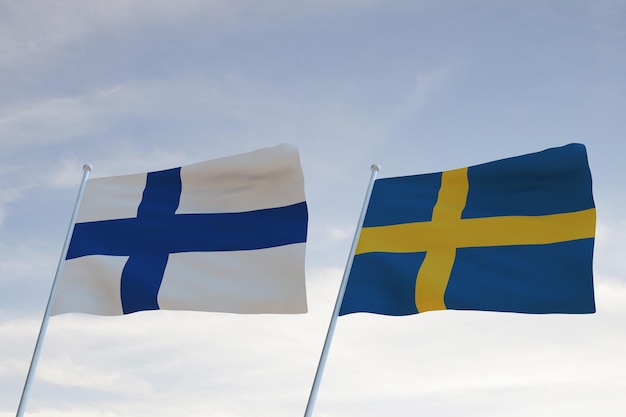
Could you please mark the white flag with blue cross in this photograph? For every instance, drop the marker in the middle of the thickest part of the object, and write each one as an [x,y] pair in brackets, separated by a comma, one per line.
[226,235]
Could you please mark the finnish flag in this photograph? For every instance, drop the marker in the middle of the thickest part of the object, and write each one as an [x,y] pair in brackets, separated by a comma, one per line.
[226,235]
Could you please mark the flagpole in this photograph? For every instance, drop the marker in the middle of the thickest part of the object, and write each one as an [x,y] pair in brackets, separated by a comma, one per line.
[342,289]
[44,323]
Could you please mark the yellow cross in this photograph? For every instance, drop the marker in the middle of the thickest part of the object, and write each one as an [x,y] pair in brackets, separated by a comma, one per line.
[447,231]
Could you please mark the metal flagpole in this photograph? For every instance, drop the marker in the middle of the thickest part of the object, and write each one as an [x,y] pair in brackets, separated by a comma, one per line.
[342,289]
[44,324]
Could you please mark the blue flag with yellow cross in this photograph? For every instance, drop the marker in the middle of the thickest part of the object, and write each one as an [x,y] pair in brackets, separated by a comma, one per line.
[514,235]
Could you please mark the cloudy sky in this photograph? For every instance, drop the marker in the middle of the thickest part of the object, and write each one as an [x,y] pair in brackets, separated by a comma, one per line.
[416,86]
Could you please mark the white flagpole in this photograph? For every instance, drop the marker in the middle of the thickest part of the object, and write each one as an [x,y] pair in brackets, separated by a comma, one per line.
[44,324]
[342,289]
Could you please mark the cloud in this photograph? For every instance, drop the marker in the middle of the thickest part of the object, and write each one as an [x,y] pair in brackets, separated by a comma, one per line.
[226,363]
[609,252]
[31,30]
[68,171]
[11,192]
[7,197]
[51,120]
[340,234]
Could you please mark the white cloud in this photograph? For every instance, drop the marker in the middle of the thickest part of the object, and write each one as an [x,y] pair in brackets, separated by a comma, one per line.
[187,361]
[340,233]
[65,371]
[11,191]
[7,197]
[30,30]
[35,28]
[14,262]
[609,252]
[68,171]
[50,120]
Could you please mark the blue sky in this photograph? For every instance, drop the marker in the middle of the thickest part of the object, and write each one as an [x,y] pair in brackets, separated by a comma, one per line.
[415,86]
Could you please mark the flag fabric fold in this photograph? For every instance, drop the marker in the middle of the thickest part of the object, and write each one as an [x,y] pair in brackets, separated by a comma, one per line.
[226,235]
[514,235]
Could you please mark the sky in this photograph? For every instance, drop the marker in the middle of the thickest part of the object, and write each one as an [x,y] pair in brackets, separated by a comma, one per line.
[415,86]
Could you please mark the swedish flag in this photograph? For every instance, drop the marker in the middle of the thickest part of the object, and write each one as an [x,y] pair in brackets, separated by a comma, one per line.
[514,235]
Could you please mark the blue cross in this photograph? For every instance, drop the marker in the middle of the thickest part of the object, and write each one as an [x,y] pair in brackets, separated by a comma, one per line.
[157,231]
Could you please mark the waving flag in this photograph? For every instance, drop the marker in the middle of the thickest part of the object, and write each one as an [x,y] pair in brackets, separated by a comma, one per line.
[515,235]
[227,235]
